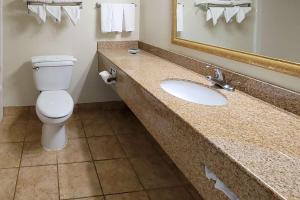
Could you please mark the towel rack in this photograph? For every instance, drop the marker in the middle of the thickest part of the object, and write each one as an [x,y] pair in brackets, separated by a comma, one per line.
[55,3]
[208,5]
[181,4]
[98,4]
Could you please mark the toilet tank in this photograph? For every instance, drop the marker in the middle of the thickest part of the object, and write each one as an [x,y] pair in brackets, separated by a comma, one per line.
[52,72]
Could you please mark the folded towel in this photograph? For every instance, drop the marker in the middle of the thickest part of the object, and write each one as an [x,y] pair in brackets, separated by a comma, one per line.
[117,17]
[230,12]
[39,12]
[214,13]
[241,15]
[73,12]
[106,17]
[179,14]
[129,17]
[54,12]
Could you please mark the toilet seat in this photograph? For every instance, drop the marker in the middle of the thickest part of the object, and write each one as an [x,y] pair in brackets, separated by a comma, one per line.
[55,104]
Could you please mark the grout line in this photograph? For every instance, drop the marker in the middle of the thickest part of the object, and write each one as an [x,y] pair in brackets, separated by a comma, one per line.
[19,168]
[58,186]
[12,142]
[131,165]
[83,197]
[94,164]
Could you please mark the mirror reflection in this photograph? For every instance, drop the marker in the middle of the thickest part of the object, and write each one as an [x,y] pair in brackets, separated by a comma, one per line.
[266,27]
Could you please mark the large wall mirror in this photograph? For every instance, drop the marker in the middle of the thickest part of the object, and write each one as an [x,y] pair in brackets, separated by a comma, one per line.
[264,33]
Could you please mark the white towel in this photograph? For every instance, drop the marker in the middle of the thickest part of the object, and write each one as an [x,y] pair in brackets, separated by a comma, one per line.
[129,17]
[179,14]
[54,12]
[241,15]
[117,17]
[106,17]
[214,13]
[73,12]
[230,12]
[39,11]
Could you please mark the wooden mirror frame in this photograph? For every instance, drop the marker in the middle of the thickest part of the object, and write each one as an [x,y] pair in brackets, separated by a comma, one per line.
[265,62]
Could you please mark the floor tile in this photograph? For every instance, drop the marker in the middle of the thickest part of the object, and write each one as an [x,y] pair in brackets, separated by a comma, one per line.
[34,154]
[34,131]
[117,176]
[36,183]
[179,193]
[77,150]
[13,131]
[92,113]
[125,123]
[10,154]
[137,145]
[106,147]
[78,180]
[97,128]
[194,193]
[74,129]
[8,181]
[16,112]
[128,196]
[154,172]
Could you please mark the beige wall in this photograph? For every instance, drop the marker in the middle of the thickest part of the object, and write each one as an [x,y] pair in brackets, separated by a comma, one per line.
[24,38]
[156,30]
[228,35]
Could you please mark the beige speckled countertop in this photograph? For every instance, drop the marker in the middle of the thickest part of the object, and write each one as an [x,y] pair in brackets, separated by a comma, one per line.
[261,138]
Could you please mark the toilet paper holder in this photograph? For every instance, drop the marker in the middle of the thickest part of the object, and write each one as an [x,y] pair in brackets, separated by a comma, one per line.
[113,73]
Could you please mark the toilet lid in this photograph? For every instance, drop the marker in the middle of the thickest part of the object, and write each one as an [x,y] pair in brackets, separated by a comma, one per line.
[55,104]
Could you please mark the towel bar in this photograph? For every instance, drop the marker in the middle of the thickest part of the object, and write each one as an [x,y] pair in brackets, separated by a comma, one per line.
[98,5]
[208,5]
[55,4]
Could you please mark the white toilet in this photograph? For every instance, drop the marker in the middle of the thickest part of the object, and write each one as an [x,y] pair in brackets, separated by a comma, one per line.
[54,106]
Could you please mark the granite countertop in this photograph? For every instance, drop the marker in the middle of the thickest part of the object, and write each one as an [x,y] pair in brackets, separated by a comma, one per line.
[261,138]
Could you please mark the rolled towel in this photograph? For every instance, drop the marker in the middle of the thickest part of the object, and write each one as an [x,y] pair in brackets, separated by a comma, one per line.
[117,17]
[54,12]
[73,12]
[129,17]
[106,17]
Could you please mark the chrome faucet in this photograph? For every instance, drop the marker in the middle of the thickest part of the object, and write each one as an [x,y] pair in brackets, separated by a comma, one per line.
[219,79]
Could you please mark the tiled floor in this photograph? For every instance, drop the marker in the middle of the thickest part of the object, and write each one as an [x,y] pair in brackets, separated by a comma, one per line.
[109,156]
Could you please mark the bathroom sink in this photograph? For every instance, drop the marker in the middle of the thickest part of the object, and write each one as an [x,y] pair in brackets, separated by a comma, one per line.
[193,92]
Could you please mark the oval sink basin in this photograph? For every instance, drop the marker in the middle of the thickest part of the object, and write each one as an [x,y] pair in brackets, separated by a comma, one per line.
[193,92]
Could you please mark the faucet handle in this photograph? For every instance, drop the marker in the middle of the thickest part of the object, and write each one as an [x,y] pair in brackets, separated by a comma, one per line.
[219,74]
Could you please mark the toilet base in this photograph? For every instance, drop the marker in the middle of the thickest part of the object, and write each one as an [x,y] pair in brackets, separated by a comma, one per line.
[54,138]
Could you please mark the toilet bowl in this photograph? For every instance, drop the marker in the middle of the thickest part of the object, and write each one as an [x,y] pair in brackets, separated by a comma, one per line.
[54,106]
